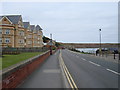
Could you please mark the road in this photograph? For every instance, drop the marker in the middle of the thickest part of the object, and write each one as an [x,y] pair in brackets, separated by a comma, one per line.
[90,71]
[86,71]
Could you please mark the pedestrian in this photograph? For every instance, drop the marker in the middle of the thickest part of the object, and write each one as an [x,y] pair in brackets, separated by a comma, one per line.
[96,52]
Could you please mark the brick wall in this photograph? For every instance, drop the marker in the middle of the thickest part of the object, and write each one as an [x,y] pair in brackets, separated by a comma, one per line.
[16,77]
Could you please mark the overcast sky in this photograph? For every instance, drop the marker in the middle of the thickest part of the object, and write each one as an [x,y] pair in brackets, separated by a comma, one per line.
[70,21]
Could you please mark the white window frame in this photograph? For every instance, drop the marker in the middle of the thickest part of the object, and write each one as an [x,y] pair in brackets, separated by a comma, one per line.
[0,40]
[7,40]
[35,37]
[29,36]
[29,42]
[21,33]
[7,31]
[0,31]
[21,41]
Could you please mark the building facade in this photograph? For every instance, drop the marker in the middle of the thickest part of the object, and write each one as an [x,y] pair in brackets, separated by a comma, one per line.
[16,33]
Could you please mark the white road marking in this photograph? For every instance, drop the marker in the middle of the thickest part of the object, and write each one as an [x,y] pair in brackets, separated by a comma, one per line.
[94,63]
[51,71]
[67,73]
[83,59]
[113,71]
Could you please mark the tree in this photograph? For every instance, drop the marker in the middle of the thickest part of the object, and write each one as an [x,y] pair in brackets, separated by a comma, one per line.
[46,39]
[57,44]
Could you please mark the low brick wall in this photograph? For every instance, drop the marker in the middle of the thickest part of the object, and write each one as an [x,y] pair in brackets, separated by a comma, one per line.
[14,77]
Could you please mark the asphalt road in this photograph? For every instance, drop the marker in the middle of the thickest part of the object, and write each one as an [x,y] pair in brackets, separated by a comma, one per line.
[90,71]
[87,72]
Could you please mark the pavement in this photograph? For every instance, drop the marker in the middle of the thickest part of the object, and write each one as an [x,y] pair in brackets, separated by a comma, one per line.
[81,70]
[48,75]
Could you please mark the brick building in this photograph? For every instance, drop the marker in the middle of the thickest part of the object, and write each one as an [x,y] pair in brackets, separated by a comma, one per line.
[16,33]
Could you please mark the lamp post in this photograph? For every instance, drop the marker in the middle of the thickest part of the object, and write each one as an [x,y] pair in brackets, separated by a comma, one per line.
[50,44]
[100,42]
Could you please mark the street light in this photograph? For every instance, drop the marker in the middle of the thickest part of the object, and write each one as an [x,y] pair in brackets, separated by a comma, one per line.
[50,44]
[100,42]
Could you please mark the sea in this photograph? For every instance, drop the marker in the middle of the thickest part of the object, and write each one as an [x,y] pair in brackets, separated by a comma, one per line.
[88,50]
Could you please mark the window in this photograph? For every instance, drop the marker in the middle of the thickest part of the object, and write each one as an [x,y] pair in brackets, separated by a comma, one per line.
[29,42]
[0,40]
[21,41]
[21,33]
[29,36]
[35,42]
[7,40]
[7,32]
[39,33]
[0,31]
[35,36]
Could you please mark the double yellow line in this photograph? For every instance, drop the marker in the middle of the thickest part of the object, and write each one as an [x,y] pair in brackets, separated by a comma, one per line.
[67,73]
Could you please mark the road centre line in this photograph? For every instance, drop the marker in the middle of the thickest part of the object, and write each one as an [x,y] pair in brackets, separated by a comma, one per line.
[94,63]
[64,75]
[68,75]
[113,71]
[71,77]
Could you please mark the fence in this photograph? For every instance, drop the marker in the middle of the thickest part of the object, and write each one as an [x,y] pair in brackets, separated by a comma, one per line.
[19,50]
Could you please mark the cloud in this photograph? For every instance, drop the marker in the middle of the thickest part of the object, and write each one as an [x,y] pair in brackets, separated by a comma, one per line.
[70,22]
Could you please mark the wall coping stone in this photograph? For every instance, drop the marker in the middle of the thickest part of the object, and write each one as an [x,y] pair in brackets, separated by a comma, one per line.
[7,71]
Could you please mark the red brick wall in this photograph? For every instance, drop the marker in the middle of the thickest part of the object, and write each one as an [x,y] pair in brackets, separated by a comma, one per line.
[15,78]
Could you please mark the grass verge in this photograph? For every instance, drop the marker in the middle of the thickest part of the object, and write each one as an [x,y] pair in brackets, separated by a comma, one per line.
[8,60]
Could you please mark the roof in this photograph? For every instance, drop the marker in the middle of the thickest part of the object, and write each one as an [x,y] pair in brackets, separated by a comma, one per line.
[1,17]
[26,24]
[32,27]
[14,18]
[38,27]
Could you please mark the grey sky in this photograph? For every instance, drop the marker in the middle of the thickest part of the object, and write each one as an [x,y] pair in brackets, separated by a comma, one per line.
[70,21]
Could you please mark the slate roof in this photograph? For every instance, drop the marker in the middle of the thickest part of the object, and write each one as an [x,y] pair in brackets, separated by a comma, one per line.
[38,27]
[13,18]
[1,17]
[32,27]
[26,24]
